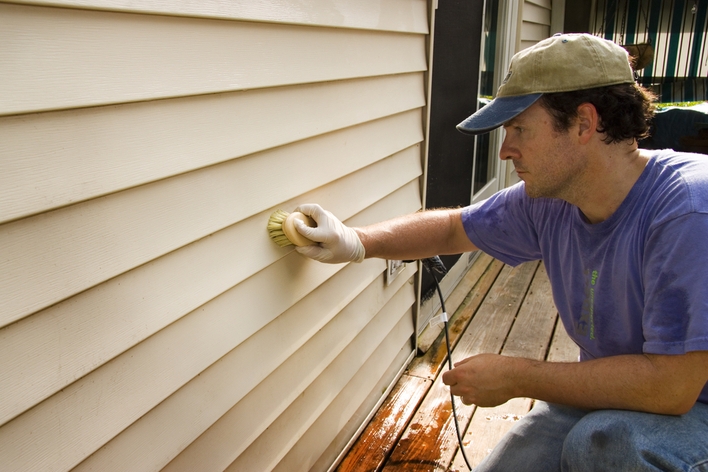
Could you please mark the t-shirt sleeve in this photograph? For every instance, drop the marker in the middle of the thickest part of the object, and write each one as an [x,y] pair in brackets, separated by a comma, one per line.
[675,319]
[502,227]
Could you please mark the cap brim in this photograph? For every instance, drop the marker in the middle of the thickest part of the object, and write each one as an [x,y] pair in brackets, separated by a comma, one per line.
[496,113]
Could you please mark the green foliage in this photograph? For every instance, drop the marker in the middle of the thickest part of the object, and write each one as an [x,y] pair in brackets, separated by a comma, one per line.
[676,104]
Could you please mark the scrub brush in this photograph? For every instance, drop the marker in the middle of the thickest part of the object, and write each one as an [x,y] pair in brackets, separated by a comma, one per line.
[281,228]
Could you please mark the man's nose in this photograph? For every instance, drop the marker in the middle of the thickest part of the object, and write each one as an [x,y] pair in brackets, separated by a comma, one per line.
[506,151]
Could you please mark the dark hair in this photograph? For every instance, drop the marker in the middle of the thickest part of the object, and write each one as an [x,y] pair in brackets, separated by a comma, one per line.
[625,110]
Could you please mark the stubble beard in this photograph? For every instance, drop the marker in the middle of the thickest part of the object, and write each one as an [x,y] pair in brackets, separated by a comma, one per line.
[564,182]
[564,189]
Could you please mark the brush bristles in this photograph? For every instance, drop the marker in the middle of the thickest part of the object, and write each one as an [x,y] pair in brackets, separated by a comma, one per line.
[275,228]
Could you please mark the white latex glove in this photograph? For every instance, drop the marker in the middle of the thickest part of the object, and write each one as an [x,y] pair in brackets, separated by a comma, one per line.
[336,242]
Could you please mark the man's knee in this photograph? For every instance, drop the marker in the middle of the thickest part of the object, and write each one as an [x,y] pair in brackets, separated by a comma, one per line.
[629,440]
[602,440]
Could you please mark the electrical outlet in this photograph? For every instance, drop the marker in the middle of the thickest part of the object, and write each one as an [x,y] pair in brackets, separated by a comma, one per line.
[393,268]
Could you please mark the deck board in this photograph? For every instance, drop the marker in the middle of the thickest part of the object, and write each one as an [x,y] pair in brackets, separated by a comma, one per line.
[563,349]
[508,311]
[529,337]
[385,429]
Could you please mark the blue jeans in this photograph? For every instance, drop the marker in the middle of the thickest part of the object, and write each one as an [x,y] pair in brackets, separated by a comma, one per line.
[559,438]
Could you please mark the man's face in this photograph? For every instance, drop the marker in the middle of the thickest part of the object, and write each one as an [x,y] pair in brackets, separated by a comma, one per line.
[547,161]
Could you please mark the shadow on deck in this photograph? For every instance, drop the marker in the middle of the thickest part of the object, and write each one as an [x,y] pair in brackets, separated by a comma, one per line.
[505,310]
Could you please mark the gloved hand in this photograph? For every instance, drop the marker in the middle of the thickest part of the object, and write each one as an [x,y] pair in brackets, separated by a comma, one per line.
[336,242]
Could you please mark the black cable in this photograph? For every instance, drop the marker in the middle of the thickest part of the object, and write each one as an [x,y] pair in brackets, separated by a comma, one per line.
[432,265]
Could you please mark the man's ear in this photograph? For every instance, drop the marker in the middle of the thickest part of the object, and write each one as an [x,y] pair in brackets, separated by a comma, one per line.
[588,121]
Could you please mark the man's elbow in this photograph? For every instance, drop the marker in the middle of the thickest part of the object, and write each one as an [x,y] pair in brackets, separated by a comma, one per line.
[676,403]
[679,383]
[674,410]
[683,406]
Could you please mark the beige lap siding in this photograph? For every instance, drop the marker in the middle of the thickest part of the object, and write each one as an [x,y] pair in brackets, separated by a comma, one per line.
[535,22]
[146,319]
[86,58]
[51,160]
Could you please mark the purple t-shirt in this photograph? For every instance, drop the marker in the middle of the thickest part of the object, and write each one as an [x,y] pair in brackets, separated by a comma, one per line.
[634,283]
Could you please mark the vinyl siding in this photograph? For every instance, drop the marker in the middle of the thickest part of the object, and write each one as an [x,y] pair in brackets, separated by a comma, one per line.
[535,22]
[88,58]
[146,319]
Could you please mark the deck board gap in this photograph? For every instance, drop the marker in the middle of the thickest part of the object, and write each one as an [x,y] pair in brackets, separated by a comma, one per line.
[558,325]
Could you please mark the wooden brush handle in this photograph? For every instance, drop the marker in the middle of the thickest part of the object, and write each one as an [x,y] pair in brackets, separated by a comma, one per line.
[292,233]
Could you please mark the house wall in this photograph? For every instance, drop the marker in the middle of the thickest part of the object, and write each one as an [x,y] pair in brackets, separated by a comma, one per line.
[146,319]
[535,22]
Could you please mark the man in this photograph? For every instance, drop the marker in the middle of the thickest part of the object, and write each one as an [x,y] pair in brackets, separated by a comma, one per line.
[623,233]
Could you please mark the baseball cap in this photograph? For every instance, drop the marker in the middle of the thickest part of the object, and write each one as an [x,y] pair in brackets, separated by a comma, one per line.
[561,63]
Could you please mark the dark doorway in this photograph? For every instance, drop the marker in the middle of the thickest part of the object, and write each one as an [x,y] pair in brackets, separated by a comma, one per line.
[456,59]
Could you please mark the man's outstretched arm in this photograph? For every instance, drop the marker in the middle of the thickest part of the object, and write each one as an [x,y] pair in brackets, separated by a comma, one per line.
[415,236]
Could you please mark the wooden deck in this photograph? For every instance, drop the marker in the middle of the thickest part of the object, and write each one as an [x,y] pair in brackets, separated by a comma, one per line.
[505,310]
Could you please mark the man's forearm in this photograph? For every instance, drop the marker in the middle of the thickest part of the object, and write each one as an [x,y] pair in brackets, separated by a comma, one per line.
[656,384]
[651,383]
[623,382]
[416,236]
